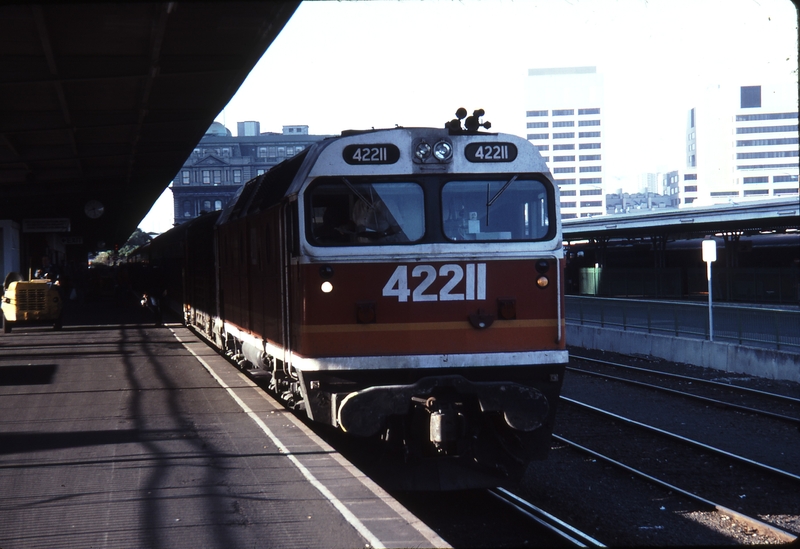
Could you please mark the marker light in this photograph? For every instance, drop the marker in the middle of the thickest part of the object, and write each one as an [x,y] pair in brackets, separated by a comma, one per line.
[442,150]
[423,150]
[326,287]
[542,282]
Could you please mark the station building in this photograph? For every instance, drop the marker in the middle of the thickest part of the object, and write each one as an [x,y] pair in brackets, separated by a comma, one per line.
[221,163]
[565,123]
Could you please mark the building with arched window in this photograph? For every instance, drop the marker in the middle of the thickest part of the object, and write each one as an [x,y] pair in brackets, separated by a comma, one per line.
[221,163]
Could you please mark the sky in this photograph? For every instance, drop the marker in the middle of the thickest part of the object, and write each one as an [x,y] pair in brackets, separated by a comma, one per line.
[364,64]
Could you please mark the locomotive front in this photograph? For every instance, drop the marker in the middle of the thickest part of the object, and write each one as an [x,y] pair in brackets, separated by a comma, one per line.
[426,300]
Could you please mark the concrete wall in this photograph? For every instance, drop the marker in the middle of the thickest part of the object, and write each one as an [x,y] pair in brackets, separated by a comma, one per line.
[726,357]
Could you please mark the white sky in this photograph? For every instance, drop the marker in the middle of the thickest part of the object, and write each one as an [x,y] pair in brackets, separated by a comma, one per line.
[363,64]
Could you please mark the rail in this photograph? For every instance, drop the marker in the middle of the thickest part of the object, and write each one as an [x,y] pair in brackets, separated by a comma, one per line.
[770,328]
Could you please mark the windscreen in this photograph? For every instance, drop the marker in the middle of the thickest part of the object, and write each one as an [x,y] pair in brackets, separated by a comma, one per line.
[345,212]
[507,209]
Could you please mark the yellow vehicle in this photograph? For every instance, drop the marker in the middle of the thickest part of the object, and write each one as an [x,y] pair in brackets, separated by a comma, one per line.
[30,302]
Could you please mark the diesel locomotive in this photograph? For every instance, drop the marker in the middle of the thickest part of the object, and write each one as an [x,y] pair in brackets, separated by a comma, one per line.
[404,286]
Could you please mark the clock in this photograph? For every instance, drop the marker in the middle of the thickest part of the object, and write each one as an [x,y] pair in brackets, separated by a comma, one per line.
[94,209]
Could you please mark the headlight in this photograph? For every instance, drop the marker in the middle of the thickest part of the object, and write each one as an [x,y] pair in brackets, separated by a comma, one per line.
[542,282]
[326,287]
[442,150]
[423,150]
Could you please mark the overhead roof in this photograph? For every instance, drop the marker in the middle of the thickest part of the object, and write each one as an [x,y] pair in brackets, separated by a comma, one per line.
[747,217]
[105,101]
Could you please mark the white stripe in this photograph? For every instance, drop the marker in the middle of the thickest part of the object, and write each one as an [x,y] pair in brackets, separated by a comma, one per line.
[346,513]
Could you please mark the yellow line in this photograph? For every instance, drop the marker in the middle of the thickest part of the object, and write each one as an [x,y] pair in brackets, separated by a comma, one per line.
[421,326]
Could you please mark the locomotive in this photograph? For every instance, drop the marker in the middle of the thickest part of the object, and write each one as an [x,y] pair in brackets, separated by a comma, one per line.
[403,286]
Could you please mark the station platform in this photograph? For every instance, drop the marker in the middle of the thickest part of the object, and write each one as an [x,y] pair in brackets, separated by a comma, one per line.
[117,433]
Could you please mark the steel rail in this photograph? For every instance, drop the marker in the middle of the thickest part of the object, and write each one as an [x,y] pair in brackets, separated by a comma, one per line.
[695,443]
[762,527]
[720,403]
[690,378]
[545,519]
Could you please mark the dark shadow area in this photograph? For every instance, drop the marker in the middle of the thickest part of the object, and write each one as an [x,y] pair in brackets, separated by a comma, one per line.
[14,443]
[34,374]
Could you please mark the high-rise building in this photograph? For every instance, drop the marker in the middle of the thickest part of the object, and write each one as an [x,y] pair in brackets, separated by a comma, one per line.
[221,163]
[741,143]
[564,121]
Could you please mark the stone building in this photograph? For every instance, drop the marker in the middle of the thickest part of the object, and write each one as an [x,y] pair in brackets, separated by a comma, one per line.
[221,163]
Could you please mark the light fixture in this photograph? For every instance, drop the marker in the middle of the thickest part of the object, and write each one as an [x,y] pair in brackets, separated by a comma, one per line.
[542,282]
[423,150]
[326,287]
[443,150]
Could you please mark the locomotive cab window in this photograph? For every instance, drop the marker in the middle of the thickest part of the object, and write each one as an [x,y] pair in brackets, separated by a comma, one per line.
[513,208]
[351,212]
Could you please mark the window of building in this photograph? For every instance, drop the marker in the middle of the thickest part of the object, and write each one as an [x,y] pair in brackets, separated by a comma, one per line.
[760,179]
[591,204]
[567,193]
[207,205]
[691,119]
[589,111]
[538,136]
[784,178]
[588,145]
[273,152]
[569,147]
[536,113]
[563,112]
[281,152]
[538,124]
[751,97]
[568,135]
[542,147]
[546,158]
[693,161]
[206,177]
[757,192]
[568,204]
[690,189]
[260,172]
[767,129]
[185,177]
[262,152]
[217,177]
[785,191]
[725,193]
[762,142]
[585,169]
[588,157]
[187,209]
[767,154]
[237,176]
[566,181]
[765,116]
[591,180]
[588,134]
[217,205]
[688,200]
[298,149]
[590,192]
[289,151]
[689,177]
[588,123]
[564,124]
[563,159]
[564,170]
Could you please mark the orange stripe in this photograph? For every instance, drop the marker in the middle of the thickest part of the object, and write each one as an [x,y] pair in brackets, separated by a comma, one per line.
[422,326]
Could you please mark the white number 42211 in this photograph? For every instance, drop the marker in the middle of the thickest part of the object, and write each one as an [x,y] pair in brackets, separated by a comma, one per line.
[474,276]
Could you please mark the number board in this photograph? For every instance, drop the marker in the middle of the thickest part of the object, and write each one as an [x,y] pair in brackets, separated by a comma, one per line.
[381,153]
[491,152]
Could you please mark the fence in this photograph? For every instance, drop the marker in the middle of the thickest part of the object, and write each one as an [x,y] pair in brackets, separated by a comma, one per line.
[751,326]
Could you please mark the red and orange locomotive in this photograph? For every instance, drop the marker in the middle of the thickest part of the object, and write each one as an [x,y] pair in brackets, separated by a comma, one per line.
[403,285]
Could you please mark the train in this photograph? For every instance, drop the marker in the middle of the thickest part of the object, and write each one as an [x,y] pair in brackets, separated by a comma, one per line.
[401,286]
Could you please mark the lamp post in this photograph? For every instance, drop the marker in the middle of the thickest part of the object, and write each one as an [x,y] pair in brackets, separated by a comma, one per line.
[709,256]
